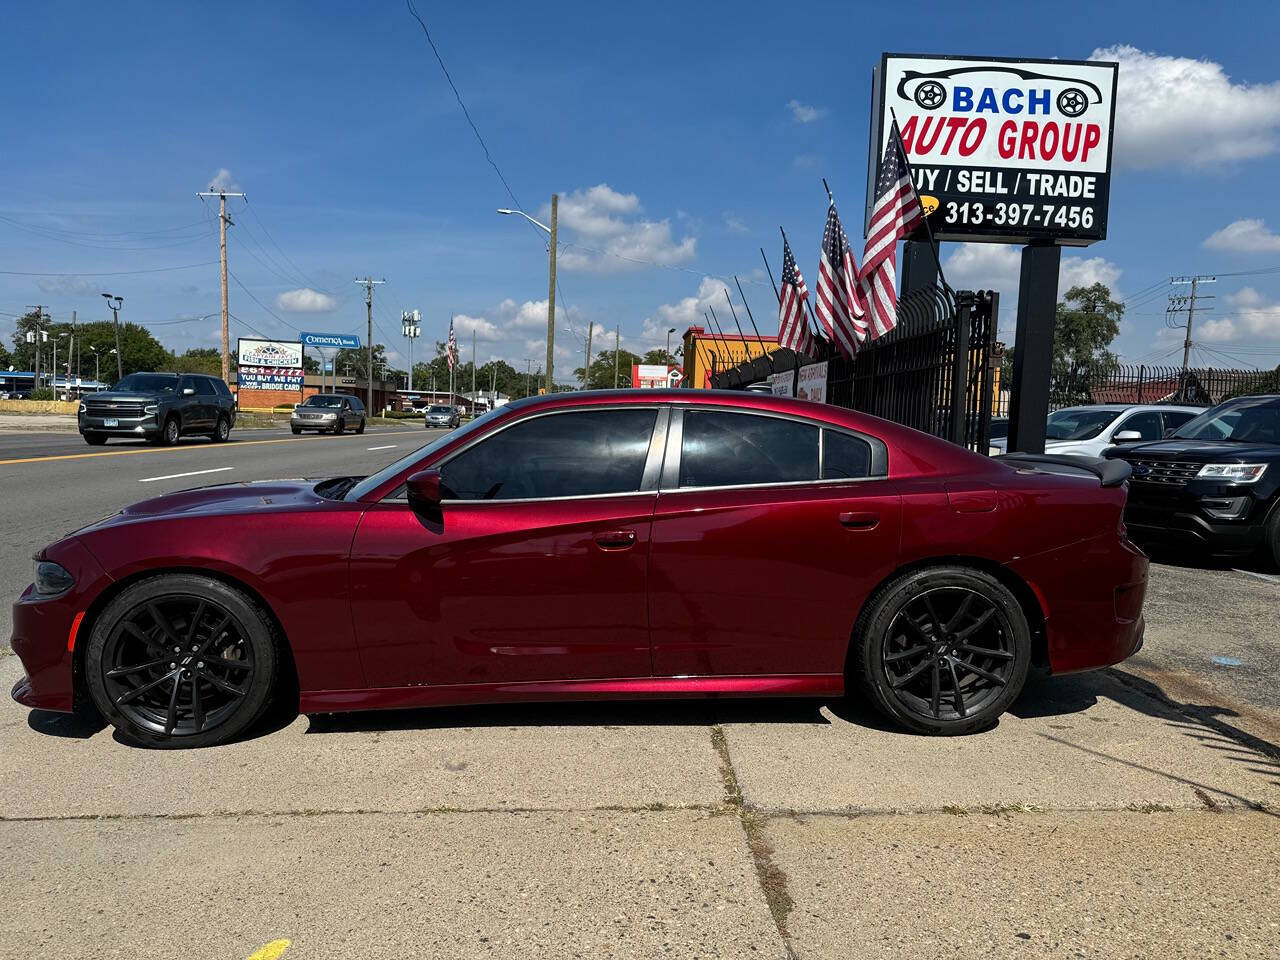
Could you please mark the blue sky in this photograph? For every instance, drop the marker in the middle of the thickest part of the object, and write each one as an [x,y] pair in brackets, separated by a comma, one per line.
[679,134]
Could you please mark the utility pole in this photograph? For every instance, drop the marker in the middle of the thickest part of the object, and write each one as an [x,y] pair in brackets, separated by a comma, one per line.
[368,284]
[528,376]
[474,395]
[551,295]
[115,303]
[586,370]
[412,328]
[71,352]
[1179,303]
[35,339]
[223,222]
[617,339]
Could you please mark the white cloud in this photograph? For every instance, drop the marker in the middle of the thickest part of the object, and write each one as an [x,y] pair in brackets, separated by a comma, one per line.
[485,330]
[71,286]
[687,312]
[614,236]
[1180,112]
[1251,317]
[734,223]
[306,300]
[803,112]
[1244,236]
[222,180]
[806,161]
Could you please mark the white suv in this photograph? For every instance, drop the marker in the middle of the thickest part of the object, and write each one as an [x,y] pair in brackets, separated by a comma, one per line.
[1088,431]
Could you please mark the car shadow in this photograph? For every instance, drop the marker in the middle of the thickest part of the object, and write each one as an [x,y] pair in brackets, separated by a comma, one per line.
[68,726]
[1188,559]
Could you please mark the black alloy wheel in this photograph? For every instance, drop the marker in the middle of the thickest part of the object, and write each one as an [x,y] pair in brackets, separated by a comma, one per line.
[944,650]
[222,430]
[95,439]
[181,660]
[169,435]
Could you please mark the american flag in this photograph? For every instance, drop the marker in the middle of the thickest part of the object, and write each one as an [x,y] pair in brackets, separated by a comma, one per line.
[793,325]
[838,304]
[452,352]
[895,213]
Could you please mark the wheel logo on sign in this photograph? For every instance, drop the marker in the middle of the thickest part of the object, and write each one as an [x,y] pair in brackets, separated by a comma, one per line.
[1073,102]
[931,95]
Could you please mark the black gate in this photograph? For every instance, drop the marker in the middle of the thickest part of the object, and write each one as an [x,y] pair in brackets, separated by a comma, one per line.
[934,371]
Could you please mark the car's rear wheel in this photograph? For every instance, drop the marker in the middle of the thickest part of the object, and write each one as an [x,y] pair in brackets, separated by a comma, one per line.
[222,430]
[360,429]
[172,430]
[181,661]
[95,439]
[943,650]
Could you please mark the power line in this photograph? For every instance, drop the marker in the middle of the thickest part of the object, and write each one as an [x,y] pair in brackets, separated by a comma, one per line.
[115,273]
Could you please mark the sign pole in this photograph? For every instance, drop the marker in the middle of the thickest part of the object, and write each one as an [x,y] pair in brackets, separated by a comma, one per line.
[1033,356]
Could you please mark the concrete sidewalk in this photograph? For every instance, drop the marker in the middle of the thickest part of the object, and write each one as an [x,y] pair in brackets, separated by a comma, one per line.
[1097,819]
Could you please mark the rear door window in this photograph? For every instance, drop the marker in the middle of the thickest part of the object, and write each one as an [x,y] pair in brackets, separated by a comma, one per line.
[844,457]
[1147,424]
[738,449]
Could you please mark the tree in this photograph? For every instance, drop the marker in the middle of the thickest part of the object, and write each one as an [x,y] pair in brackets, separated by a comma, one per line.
[602,368]
[139,350]
[661,356]
[207,360]
[1088,320]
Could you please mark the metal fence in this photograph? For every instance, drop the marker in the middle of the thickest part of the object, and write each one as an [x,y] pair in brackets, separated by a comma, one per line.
[1202,386]
[934,371]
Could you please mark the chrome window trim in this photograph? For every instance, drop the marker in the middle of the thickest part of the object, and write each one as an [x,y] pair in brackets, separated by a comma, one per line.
[659,424]
[878,468]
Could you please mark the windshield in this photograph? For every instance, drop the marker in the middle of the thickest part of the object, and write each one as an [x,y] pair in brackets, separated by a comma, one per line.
[1256,421]
[147,383]
[440,410]
[1077,423]
[372,482]
[319,401]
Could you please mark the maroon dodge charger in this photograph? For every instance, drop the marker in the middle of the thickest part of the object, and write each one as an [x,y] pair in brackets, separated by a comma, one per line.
[596,545]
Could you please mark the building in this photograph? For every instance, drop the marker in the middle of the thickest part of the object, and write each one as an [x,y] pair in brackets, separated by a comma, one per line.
[706,354]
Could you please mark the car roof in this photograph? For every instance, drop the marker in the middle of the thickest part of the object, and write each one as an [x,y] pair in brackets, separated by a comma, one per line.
[1132,407]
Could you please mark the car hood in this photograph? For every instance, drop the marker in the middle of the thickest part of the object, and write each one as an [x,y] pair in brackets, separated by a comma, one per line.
[1202,451]
[250,496]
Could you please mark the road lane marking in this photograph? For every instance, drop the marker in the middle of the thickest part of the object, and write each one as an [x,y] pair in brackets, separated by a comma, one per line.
[272,951]
[187,449]
[190,473]
[389,446]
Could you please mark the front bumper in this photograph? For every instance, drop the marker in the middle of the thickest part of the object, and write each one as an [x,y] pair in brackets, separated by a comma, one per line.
[144,426]
[307,423]
[1179,517]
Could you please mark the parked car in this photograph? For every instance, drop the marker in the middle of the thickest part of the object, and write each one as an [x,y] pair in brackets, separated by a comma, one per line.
[328,413]
[159,407]
[1214,483]
[1087,431]
[594,545]
[440,415]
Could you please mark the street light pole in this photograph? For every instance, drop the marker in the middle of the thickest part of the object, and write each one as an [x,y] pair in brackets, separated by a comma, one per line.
[669,333]
[115,303]
[551,287]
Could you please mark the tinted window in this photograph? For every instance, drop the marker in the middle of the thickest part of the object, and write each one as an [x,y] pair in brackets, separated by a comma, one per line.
[188,383]
[323,400]
[1147,424]
[844,457]
[1077,423]
[356,405]
[204,387]
[220,388]
[728,449]
[1175,418]
[577,454]
[148,383]
[1255,420]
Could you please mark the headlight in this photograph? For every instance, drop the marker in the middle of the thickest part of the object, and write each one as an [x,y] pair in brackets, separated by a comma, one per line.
[330,416]
[151,408]
[1233,472]
[52,579]
[82,407]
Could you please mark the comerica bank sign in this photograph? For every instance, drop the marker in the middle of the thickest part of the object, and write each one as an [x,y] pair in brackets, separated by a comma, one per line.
[1002,150]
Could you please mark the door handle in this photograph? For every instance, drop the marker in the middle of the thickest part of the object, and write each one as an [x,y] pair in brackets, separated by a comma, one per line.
[859,519]
[616,539]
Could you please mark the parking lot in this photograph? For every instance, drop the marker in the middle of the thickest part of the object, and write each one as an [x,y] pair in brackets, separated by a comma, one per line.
[1130,812]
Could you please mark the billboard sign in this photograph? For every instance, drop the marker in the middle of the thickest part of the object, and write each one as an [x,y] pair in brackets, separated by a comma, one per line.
[269,353]
[338,341]
[269,378]
[1001,150]
[654,376]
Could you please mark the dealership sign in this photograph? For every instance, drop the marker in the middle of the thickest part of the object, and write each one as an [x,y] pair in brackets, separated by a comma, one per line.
[269,353]
[1001,150]
[655,376]
[810,383]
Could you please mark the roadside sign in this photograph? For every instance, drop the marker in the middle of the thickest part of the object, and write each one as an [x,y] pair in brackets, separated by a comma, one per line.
[269,353]
[1002,150]
[341,341]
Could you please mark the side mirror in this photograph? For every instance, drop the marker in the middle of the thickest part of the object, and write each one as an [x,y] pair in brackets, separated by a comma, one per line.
[188,391]
[1127,436]
[423,489]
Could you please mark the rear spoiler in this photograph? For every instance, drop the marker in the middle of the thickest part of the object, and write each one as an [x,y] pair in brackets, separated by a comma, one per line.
[1111,473]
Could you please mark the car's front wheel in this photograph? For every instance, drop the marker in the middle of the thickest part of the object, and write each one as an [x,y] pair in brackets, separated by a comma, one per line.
[943,650]
[181,660]
[172,430]
[1273,535]
[95,439]
[360,429]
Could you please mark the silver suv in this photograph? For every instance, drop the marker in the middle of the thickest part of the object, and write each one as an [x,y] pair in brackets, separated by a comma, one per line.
[328,413]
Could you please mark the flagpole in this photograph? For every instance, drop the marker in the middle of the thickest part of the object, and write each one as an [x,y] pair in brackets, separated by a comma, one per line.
[759,339]
[815,328]
[896,137]
[724,341]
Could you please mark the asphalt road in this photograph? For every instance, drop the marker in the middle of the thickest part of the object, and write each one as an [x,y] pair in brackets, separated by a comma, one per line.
[54,483]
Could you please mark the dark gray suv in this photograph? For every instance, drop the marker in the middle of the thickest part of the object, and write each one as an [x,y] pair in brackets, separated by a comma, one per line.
[160,408]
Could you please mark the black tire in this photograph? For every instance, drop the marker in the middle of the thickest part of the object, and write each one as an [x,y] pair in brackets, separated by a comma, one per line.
[296,430]
[244,642]
[170,433]
[338,428]
[95,439]
[360,429]
[943,675]
[1271,538]
[222,430]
